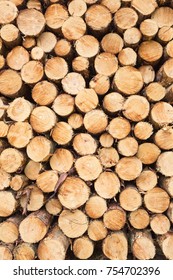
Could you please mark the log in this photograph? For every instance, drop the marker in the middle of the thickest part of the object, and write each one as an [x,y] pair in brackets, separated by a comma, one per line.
[168,96]
[97,230]
[46,41]
[56,68]
[77,8]
[34,4]
[95,121]
[10,35]
[3,129]
[73,193]
[35,226]
[106,140]
[147,180]
[164,163]
[163,16]
[32,198]
[160,224]
[73,223]
[32,169]
[164,75]
[112,5]
[55,16]
[106,64]
[73,28]
[28,42]
[168,50]
[87,46]
[149,29]
[127,146]
[5,252]
[39,149]
[46,181]
[73,83]
[136,108]
[148,73]
[86,100]
[114,218]
[12,160]
[148,153]
[127,57]
[12,89]
[132,37]
[61,160]
[84,144]
[165,34]
[19,134]
[129,168]
[166,243]
[75,120]
[167,184]
[63,48]
[143,246]
[53,206]
[9,229]
[144,8]
[62,133]
[113,102]
[83,248]
[100,83]
[32,72]
[4,179]
[150,51]
[108,157]
[163,138]
[155,92]
[54,246]
[115,246]
[19,109]
[125,18]
[17,57]
[63,105]
[95,207]
[44,93]
[80,65]
[143,130]
[130,199]
[170,212]
[88,167]
[112,43]
[139,219]
[37,54]
[8,12]
[8,203]
[24,251]
[156,200]
[18,182]
[119,128]
[2,62]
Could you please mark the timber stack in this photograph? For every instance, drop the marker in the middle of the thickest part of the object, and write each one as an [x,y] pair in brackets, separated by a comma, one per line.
[86,136]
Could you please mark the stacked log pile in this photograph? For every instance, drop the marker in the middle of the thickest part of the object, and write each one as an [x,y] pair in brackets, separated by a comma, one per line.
[86,136]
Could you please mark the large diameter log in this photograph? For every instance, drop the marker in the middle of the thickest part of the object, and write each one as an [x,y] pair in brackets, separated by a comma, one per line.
[157,200]
[39,149]
[35,226]
[19,109]
[19,134]
[95,121]
[115,246]
[146,7]
[11,160]
[54,246]
[55,16]
[24,251]
[147,180]
[17,57]
[163,16]
[73,28]
[166,243]
[130,199]
[129,168]
[32,72]
[62,160]
[125,18]
[47,41]
[8,12]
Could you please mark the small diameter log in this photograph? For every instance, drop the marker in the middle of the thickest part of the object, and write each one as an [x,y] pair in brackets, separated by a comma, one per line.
[112,5]
[165,34]
[128,80]
[47,181]
[73,28]
[143,130]
[155,92]
[136,108]
[8,203]
[24,251]
[8,12]
[164,138]
[144,8]
[167,184]
[114,218]
[97,230]
[17,57]
[62,133]
[36,198]
[32,72]
[73,223]
[3,129]
[163,16]
[73,193]
[113,102]
[55,16]
[157,200]
[37,54]
[84,144]
[28,42]
[19,109]
[166,243]
[127,57]
[88,167]
[10,35]
[87,46]
[86,100]
[19,134]
[148,153]
[11,160]
[115,246]
[150,51]
[100,83]
[149,29]
[77,8]
[73,83]
[18,182]
[164,75]
[127,146]
[125,18]
[168,51]
[34,4]
[107,185]
[63,105]
[143,246]
[95,121]
[2,62]
[4,179]
[5,252]
[44,93]
[35,226]
[132,37]
[62,160]
[139,219]
[95,207]
[9,229]
[47,41]
[148,73]
[164,163]
[39,149]
[75,120]
[98,18]
[108,157]
[112,43]
[32,169]
[63,48]
[119,128]
[106,140]
[147,180]
[80,65]
[83,248]
[30,22]
[53,206]
[13,88]
[160,224]
[42,119]
[129,168]
[106,64]
[56,68]
[54,246]
[130,199]
[170,212]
